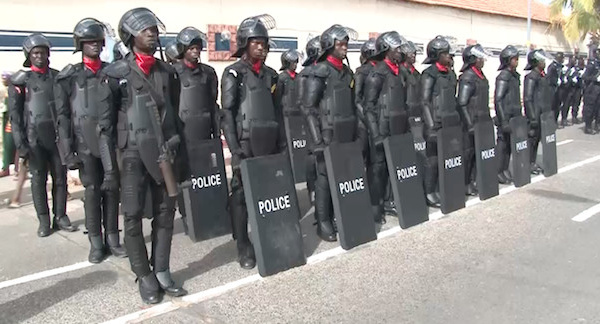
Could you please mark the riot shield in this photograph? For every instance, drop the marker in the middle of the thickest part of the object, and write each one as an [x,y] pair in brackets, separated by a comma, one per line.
[350,194]
[205,193]
[406,180]
[273,213]
[416,128]
[519,142]
[485,159]
[549,162]
[298,139]
[451,168]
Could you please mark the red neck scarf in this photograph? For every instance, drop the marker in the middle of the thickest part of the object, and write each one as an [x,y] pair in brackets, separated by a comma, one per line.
[441,68]
[478,72]
[191,65]
[144,62]
[93,65]
[336,62]
[542,73]
[410,67]
[373,63]
[393,66]
[292,74]
[39,70]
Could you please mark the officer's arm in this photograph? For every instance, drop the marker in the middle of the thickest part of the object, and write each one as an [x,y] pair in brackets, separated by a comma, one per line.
[528,91]
[359,84]
[281,140]
[172,122]
[16,106]
[499,93]
[313,92]
[373,85]
[229,102]
[427,83]
[215,113]
[465,91]
[63,110]
[278,94]
[109,93]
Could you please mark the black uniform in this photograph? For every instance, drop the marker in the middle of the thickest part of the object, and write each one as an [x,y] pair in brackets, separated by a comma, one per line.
[591,94]
[507,102]
[362,72]
[576,81]
[311,161]
[537,99]
[554,78]
[412,77]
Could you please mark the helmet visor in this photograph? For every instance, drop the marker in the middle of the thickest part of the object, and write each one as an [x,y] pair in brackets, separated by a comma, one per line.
[141,21]
[480,52]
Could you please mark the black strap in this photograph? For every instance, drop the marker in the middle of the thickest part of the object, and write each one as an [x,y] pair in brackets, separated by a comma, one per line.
[154,114]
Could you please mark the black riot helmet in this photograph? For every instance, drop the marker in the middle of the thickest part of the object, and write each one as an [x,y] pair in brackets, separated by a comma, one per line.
[507,54]
[191,36]
[435,47]
[135,21]
[536,56]
[174,50]
[253,27]
[288,57]
[87,30]
[34,40]
[470,55]
[333,33]
[406,49]
[367,50]
[388,41]
[313,47]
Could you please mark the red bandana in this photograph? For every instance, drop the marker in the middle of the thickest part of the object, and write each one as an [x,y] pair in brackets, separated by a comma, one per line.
[373,63]
[191,65]
[292,74]
[93,64]
[39,70]
[336,62]
[441,68]
[393,66]
[144,62]
[478,72]
[256,66]
[543,73]
[410,67]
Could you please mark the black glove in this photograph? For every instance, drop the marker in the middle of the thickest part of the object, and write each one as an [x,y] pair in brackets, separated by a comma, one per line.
[110,182]
[378,141]
[73,161]
[173,143]
[430,134]
[236,159]
[24,151]
[505,128]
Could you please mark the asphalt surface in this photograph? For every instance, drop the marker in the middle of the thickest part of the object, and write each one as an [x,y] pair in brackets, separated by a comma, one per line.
[516,258]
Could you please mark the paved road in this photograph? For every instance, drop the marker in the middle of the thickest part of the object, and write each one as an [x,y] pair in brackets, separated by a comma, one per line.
[517,258]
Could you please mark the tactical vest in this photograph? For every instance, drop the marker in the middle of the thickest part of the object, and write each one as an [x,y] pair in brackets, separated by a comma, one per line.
[413,93]
[39,106]
[543,96]
[84,103]
[290,97]
[337,108]
[478,107]
[195,105]
[392,101]
[444,96]
[512,99]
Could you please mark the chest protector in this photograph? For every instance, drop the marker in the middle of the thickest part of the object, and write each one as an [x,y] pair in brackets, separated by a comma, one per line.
[84,100]
[337,109]
[512,99]
[39,106]
[478,107]
[444,96]
[392,100]
[290,97]
[256,120]
[543,96]
[196,105]
[413,93]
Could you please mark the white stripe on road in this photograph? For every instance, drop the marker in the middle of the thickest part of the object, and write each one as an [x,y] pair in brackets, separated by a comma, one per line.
[564,142]
[586,214]
[44,274]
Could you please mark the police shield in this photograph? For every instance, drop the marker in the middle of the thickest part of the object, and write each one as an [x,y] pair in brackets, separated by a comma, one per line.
[205,193]
[520,151]
[350,194]
[416,129]
[406,180]
[549,162]
[298,140]
[273,213]
[485,159]
[451,168]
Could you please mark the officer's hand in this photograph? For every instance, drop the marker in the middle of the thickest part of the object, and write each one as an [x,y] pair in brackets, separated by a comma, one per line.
[378,141]
[470,129]
[505,128]
[173,142]
[430,134]
[531,132]
[73,161]
[318,148]
[236,160]
[534,124]
[111,181]
[24,151]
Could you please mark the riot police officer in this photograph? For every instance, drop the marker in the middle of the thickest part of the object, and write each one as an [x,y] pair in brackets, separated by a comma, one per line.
[473,106]
[198,109]
[591,94]
[367,53]
[32,111]
[577,89]
[438,84]
[386,113]
[77,97]
[507,103]
[412,77]
[173,50]
[555,71]
[537,97]
[286,95]
[250,122]
[565,90]
[328,99]
[139,116]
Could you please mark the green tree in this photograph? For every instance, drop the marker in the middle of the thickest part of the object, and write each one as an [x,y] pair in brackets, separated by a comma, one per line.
[583,18]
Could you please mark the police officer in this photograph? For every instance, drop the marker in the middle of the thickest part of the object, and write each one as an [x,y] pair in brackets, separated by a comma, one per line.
[198,110]
[139,116]
[173,50]
[386,113]
[367,54]
[507,103]
[77,97]
[473,106]
[577,89]
[329,92]
[591,93]
[286,95]
[537,96]
[412,77]
[566,90]
[555,70]
[438,84]
[32,111]
[250,122]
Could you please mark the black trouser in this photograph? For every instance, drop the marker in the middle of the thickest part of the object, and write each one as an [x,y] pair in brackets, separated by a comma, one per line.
[566,96]
[469,156]
[535,135]
[377,175]
[575,101]
[591,105]
[135,181]
[323,203]
[431,164]
[504,150]
[41,161]
[556,101]
[101,207]
[311,171]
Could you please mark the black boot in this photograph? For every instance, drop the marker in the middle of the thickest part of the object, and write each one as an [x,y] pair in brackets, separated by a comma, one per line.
[433,200]
[44,228]
[502,178]
[246,256]
[168,285]
[472,189]
[114,247]
[535,169]
[389,208]
[97,251]
[576,120]
[149,289]
[588,131]
[378,215]
[596,127]
[311,197]
[63,223]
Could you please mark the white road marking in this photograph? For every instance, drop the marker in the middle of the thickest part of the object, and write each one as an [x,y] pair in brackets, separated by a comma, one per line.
[567,141]
[586,214]
[44,274]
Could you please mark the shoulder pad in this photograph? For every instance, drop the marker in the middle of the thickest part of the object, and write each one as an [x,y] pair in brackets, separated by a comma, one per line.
[320,70]
[207,68]
[430,71]
[178,68]
[165,66]
[19,78]
[118,69]
[468,75]
[504,75]
[232,70]
[68,71]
